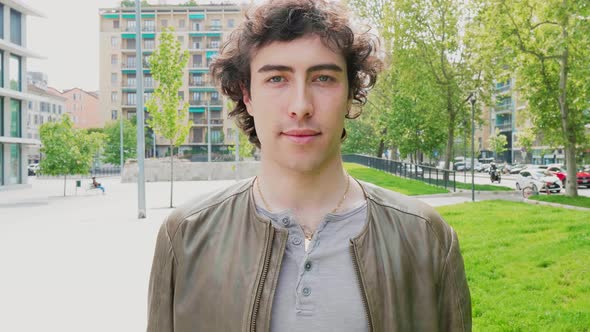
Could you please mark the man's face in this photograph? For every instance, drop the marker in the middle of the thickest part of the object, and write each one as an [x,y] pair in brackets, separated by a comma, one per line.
[299,97]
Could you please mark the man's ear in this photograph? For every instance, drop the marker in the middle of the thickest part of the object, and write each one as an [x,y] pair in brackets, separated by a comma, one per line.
[247,100]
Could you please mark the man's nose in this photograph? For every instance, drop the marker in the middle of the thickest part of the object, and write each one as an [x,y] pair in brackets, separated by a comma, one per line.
[301,105]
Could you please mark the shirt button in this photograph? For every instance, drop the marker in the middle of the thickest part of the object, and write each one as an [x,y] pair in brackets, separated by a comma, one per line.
[307,266]
[285,221]
[306,291]
[296,241]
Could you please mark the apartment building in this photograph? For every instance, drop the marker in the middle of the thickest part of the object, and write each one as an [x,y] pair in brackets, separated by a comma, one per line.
[47,107]
[507,113]
[201,30]
[83,108]
[14,97]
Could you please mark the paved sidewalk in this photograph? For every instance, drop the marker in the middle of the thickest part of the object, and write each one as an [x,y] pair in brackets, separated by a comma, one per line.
[81,262]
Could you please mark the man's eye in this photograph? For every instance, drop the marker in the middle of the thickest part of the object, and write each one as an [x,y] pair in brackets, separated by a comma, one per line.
[275,79]
[324,78]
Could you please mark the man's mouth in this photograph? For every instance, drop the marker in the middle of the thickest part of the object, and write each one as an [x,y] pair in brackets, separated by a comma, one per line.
[301,136]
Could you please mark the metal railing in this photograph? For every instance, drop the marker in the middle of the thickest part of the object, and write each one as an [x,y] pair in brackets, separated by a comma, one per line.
[431,175]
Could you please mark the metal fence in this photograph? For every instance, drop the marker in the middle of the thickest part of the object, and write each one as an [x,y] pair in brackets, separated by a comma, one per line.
[95,171]
[432,175]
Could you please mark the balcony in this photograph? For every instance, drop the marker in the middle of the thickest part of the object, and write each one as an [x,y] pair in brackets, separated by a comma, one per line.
[129,65]
[196,65]
[199,83]
[148,29]
[195,46]
[215,27]
[503,108]
[504,126]
[214,44]
[199,122]
[217,122]
[215,102]
[196,102]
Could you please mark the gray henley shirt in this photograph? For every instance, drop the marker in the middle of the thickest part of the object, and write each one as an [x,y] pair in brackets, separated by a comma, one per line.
[318,289]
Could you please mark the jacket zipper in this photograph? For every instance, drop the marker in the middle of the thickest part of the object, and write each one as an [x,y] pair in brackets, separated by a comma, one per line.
[265,267]
[360,282]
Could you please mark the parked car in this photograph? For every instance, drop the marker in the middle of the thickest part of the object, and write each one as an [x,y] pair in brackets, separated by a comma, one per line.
[414,169]
[582,177]
[485,168]
[539,179]
[33,169]
[517,168]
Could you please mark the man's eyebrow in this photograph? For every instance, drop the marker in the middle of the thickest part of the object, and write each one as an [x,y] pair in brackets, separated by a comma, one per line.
[324,66]
[267,68]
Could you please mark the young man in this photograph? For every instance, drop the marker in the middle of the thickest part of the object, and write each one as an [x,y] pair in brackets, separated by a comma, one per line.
[303,246]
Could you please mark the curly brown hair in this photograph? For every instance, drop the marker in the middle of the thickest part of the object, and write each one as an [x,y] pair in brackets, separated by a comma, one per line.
[287,20]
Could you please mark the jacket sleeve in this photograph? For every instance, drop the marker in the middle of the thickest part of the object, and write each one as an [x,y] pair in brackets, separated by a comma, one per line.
[161,285]
[455,300]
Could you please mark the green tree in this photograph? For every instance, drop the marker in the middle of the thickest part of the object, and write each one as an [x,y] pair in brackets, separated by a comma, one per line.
[66,150]
[430,46]
[545,43]
[190,3]
[168,114]
[498,142]
[526,139]
[112,149]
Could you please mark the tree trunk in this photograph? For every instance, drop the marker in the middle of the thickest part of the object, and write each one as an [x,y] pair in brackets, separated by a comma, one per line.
[171,174]
[381,146]
[571,185]
[450,139]
[65,179]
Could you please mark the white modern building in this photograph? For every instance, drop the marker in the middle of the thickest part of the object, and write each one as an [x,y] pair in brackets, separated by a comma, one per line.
[14,97]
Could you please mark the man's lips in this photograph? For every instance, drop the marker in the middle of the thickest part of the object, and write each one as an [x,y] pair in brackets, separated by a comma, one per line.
[301,136]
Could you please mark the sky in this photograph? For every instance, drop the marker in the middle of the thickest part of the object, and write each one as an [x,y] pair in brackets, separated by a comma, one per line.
[68,39]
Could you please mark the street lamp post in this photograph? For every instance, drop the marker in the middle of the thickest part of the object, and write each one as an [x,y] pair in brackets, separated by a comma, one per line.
[141,213]
[472,100]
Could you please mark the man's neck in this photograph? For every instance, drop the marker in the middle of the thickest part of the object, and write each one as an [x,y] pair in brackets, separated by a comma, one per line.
[310,194]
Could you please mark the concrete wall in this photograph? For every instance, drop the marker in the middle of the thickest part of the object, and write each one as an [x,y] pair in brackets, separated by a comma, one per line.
[159,170]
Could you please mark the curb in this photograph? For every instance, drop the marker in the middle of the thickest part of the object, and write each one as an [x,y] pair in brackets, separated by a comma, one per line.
[571,207]
[459,193]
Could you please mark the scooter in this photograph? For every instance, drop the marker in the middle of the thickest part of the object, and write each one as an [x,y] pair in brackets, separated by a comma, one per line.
[495,175]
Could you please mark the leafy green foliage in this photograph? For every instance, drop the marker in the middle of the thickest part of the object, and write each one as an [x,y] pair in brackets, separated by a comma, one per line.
[168,114]
[112,150]
[498,142]
[66,150]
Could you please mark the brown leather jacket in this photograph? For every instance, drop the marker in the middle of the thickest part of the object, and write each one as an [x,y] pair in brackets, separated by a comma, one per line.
[217,262]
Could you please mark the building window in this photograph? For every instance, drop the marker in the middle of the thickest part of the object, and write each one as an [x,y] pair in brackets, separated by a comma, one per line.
[115,24]
[58,109]
[149,26]
[149,44]
[149,82]
[53,110]
[30,105]
[181,24]
[113,78]
[114,59]
[197,60]
[131,81]
[113,96]
[131,25]
[14,164]
[114,115]
[15,118]
[230,23]
[216,24]
[164,23]
[1,69]
[15,72]
[36,119]
[15,27]
[131,98]
[114,42]
[1,26]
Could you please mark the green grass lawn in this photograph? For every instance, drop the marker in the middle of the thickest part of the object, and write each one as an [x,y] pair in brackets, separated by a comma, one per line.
[562,199]
[392,182]
[528,266]
[483,187]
